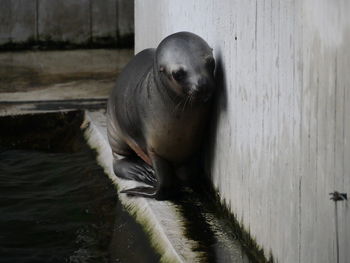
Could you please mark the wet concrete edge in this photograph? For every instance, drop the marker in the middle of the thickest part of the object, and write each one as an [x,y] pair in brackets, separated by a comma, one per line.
[161,219]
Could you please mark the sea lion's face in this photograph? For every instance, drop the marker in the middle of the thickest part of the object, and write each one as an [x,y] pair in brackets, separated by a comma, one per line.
[186,65]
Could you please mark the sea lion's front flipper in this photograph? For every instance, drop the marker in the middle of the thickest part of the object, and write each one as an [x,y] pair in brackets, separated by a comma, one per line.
[167,182]
[133,168]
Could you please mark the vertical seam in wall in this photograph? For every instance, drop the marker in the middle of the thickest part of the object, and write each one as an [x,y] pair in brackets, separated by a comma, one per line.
[10,24]
[334,154]
[276,154]
[300,183]
[256,40]
[335,118]
[343,135]
[134,15]
[256,85]
[317,142]
[272,102]
[117,21]
[90,22]
[294,104]
[301,133]
[36,21]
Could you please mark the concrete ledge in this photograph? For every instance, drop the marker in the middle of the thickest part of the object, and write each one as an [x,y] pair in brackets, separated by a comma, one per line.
[161,219]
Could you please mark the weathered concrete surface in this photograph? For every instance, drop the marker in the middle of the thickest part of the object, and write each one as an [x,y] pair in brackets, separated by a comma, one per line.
[73,21]
[5,21]
[125,15]
[62,20]
[17,20]
[55,80]
[32,82]
[23,14]
[282,137]
[104,19]
[35,71]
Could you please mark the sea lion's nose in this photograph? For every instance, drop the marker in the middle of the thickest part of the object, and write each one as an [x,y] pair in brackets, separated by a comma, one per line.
[205,86]
[202,89]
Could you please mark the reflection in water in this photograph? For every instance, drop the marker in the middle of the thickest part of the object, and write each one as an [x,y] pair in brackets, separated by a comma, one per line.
[59,207]
[208,225]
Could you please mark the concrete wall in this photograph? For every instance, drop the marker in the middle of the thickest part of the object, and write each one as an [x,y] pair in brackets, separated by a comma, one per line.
[74,21]
[282,142]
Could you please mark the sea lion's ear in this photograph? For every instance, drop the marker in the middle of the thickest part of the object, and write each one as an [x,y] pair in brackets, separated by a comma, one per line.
[161,69]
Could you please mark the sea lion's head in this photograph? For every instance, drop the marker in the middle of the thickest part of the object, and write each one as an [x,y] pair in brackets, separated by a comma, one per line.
[186,66]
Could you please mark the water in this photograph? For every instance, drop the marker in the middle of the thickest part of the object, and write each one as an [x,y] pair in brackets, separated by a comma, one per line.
[217,239]
[60,207]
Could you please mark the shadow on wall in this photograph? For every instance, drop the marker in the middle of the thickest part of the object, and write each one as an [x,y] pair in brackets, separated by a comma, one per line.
[220,101]
[220,105]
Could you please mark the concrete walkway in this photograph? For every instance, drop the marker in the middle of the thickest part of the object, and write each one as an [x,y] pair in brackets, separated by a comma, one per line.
[58,80]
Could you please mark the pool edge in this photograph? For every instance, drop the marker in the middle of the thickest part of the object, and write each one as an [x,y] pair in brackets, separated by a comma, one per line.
[160,219]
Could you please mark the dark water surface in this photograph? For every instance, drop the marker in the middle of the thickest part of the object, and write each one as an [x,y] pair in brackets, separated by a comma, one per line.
[60,207]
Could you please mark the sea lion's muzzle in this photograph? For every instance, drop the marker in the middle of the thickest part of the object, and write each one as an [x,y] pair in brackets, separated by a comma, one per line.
[201,91]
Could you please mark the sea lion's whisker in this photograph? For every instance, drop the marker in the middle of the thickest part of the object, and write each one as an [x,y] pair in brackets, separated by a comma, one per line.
[187,99]
[191,100]
[176,106]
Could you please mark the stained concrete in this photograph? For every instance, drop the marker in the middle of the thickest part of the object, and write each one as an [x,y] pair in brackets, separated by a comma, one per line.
[125,15]
[281,133]
[32,79]
[78,22]
[62,20]
[5,21]
[104,19]
[17,20]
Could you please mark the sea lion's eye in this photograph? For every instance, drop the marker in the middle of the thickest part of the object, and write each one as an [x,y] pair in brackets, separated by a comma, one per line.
[179,74]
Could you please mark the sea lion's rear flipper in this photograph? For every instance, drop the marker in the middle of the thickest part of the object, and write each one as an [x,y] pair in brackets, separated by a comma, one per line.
[166,186]
[133,168]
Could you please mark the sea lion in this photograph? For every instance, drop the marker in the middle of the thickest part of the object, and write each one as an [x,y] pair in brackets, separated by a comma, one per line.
[157,111]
